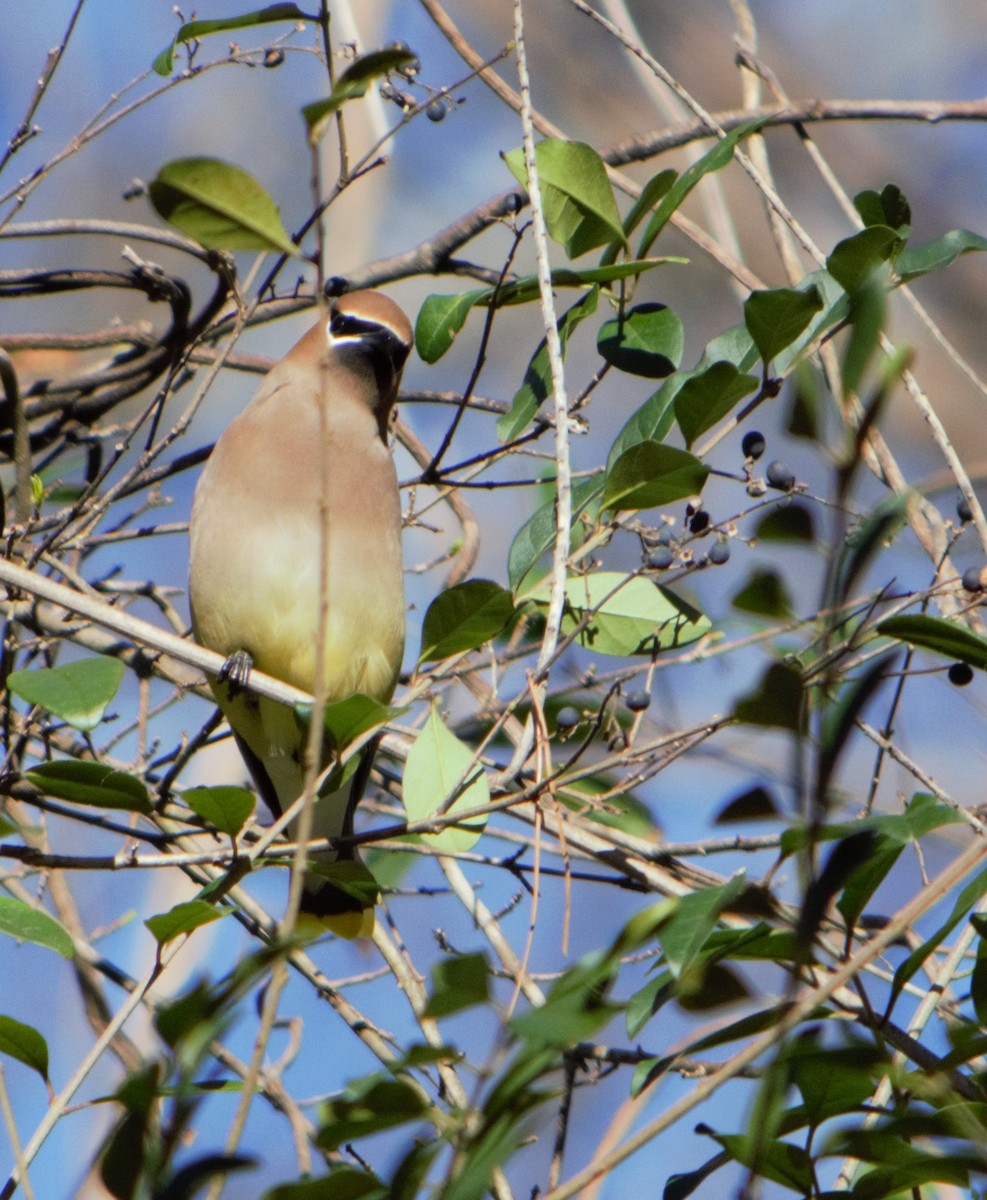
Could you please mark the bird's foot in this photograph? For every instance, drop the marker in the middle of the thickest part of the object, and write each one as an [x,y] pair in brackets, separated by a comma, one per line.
[235,672]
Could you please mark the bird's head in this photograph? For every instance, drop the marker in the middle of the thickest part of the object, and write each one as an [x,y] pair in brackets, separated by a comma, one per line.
[370,328]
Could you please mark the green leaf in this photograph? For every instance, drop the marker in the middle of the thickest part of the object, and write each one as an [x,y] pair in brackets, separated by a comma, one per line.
[352,84]
[28,924]
[889,207]
[369,1106]
[183,918]
[650,474]
[192,30]
[790,522]
[219,205]
[875,532]
[438,763]
[915,261]
[626,614]
[867,311]
[948,638]
[580,211]
[713,160]
[537,383]
[342,1183]
[777,701]
[464,617]
[646,340]
[90,783]
[778,1161]
[78,692]
[349,719]
[684,934]
[226,808]
[25,1044]
[458,982]
[855,259]
[440,318]
[651,422]
[537,535]
[653,191]
[775,318]
[707,397]
[764,595]
[753,804]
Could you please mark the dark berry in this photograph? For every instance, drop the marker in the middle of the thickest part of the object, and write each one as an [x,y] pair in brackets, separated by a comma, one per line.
[661,559]
[638,701]
[719,553]
[567,718]
[963,510]
[753,444]
[699,522]
[780,476]
[960,674]
[972,581]
[436,111]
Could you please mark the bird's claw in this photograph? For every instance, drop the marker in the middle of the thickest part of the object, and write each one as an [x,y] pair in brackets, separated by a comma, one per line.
[235,672]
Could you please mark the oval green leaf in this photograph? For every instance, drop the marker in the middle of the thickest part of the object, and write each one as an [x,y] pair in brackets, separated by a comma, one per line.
[648,340]
[183,918]
[352,84]
[626,615]
[775,318]
[438,763]
[219,205]
[90,783]
[25,1044]
[28,924]
[457,983]
[537,535]
[464,617]
[650,474]
[225,808]
[707,397]
[580,211]
[193,30]
[79,692]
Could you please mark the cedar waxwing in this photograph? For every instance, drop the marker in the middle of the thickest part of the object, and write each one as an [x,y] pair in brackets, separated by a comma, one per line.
[306,465]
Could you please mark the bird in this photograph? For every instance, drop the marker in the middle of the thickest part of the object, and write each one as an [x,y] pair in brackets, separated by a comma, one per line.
[306,465]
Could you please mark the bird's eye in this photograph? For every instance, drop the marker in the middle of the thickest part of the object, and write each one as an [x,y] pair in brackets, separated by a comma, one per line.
[345,324]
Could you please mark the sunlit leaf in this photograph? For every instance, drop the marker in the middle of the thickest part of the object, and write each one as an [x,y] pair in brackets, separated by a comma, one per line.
[645,340]
[79,692]
[192,30]
[91,783]
[24,1043]
[28,924]
[183,918]
[352,84]
[437,766]
[464,617]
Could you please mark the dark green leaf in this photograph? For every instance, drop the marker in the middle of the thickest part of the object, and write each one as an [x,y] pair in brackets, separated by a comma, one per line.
[867,305]
[682,1185]
[653,191]
[25,1044]
[90,783]
[707,397]
[537,384]
[777,701]
[791,522]
[440,318]
[646,340]
[367,1107]
[776,318]
[948,638]
[78,692]
[710,986]
[887,207]
[27,924]
[190,1179]
[649,474]
[458,982]
[915,261]
[220,206]
[537,535]
[901,1178]
[764,595]
[183,918]
[644,1004]
[464,617]
[875,532]
[342,1183]
[349,719]
[651,422]
[192,30]
[580,211]
[754,804]
[685,932]
[713,160]
[778,1161]
[352,84]
[855,259]
[226,808]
